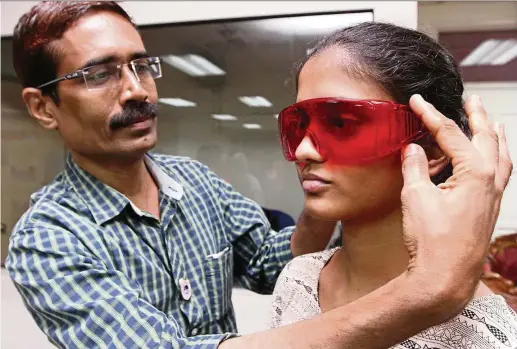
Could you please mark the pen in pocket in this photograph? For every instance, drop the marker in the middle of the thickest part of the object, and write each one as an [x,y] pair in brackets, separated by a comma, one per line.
[218,254]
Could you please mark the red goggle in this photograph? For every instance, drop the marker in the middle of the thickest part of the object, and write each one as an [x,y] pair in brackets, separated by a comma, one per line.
[348,131]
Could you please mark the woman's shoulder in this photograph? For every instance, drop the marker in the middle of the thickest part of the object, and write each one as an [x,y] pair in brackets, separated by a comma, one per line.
[296,292]
[308,267]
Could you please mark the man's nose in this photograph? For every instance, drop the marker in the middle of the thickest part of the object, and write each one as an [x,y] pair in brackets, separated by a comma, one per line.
[132,89]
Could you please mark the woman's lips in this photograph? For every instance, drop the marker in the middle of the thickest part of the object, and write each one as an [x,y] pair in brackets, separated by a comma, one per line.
[312,183]
[314,186]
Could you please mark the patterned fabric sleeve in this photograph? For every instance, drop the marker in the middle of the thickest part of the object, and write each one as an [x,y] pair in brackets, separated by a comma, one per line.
[79,302]
[296,293]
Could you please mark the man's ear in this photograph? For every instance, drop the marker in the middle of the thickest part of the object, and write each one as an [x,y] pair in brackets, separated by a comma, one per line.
[40,107]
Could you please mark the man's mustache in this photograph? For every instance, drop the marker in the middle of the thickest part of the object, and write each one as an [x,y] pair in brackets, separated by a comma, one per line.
[133,112]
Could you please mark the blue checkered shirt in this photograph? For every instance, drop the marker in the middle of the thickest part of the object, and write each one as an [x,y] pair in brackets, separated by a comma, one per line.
[97,272]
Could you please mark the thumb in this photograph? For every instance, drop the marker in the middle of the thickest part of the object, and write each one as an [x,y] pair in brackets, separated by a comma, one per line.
[415,168]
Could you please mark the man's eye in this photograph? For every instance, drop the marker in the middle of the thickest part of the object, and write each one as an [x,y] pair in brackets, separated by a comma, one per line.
[142,68]
[98,76]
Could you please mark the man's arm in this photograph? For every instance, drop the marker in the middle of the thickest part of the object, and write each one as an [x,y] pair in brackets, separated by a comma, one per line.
[400,309]
[79,302]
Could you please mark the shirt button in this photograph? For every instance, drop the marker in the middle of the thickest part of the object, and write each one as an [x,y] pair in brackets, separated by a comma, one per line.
[185,288]
[194,331]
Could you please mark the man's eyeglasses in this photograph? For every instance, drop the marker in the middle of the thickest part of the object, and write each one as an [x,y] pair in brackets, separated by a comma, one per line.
[108,75]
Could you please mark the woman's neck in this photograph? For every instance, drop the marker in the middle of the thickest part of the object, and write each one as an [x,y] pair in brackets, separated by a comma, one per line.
[373,253]
[374,250]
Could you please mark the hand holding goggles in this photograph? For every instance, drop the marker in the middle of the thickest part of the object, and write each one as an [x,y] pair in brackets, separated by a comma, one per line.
[348,131]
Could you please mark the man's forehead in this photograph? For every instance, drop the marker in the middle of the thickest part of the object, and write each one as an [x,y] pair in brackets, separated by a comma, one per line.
[99,35]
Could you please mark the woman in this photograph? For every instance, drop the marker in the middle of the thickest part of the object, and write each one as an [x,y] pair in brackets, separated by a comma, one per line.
[345,133]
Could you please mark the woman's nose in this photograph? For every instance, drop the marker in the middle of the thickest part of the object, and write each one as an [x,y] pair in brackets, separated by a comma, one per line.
[307,152]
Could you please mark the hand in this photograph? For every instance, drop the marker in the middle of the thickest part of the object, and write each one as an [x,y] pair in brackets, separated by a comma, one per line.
[311,234]
[447,228]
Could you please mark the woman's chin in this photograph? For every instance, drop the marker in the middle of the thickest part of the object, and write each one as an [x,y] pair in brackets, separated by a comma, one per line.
[324,209]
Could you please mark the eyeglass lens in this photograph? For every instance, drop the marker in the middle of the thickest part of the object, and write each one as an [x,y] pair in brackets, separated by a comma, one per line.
[109,74]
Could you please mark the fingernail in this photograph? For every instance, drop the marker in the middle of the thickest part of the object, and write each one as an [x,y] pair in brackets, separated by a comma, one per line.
[410,150]
[426,103]
[420,99]
[476,99]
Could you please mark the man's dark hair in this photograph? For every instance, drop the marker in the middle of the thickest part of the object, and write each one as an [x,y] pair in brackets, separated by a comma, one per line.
[34,55]
[403,62]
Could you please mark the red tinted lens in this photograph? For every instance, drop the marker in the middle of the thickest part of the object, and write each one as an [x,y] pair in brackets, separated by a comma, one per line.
[293,123]
[348,131]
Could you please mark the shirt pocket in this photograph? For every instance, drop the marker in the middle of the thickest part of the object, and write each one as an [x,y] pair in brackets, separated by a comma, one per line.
[219,276]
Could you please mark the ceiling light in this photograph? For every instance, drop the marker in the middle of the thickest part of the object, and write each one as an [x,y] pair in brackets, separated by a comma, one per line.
[193,65]
[507,56]
[501,48]
[255,101]
[479,52]
[492,52]
[205,64]
[252,126]
[177,102]
[224,117]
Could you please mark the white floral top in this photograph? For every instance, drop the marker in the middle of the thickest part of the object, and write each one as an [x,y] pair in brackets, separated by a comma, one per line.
[486,323]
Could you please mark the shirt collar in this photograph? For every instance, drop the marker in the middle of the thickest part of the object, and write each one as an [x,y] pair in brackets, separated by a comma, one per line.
[167,185]
[103,201]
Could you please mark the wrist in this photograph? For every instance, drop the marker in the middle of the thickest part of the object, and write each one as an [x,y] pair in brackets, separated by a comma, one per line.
[439,295]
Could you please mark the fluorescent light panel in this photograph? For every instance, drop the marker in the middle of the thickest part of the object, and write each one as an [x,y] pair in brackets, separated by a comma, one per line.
[193,65]
[255,101]
[492,52]
[252,126]
[224,117]
[177,102]
[507,56]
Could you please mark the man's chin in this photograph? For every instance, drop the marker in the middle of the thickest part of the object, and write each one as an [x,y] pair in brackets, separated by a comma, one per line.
[137,148]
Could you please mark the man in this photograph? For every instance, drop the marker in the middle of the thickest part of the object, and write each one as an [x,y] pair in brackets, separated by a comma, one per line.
[129,249]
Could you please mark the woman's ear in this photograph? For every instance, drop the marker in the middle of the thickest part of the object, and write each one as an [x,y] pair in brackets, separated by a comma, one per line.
[436,158]
[40,107]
